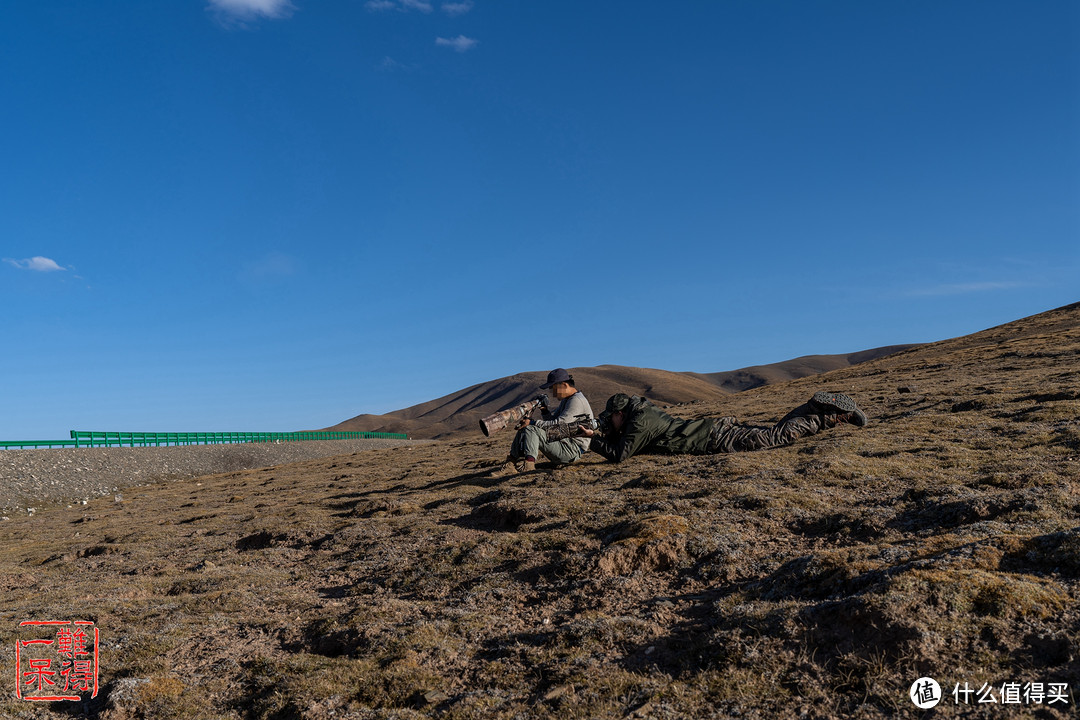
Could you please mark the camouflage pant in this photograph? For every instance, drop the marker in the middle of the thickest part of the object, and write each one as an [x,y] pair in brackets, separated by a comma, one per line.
[532,441]
[800,422]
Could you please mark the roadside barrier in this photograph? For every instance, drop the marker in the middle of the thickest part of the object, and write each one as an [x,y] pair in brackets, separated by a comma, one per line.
[88,439]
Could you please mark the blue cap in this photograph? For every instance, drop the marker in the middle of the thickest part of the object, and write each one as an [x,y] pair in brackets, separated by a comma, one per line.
[557,375]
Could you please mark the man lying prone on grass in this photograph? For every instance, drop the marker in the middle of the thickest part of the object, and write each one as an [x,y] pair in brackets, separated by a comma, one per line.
[633,425]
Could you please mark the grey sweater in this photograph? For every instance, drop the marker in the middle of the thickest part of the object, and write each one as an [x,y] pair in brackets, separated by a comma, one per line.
[567,412]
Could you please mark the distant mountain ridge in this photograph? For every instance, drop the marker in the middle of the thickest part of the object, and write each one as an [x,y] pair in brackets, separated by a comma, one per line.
[758,375]
[458,413]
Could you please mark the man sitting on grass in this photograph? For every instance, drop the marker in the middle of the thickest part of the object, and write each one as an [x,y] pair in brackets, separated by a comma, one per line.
[532,440]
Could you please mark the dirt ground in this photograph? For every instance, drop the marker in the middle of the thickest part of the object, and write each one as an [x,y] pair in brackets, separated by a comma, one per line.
[819,580]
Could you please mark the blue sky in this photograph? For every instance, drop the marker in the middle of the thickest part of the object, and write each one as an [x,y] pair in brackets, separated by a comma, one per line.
[262,215]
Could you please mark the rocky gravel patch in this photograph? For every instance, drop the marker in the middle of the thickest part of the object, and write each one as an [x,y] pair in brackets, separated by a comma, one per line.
[33,479]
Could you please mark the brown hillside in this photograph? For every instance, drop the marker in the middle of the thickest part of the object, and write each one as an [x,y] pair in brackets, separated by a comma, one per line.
[457,414]
[817,580]
[757,375]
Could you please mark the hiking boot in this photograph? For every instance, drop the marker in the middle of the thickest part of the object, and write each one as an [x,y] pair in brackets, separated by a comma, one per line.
[510,467]
[842,407]
[527,466]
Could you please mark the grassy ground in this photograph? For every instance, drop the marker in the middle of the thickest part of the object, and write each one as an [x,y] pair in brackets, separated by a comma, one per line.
[818,580]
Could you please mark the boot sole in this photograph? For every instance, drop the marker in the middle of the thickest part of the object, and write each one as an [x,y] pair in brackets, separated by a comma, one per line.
[839,403]
[836,402]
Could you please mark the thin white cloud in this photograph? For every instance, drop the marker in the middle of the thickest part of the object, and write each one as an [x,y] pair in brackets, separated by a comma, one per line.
[460,43]
[242,10]
[967,288]
[37,263]
[271,267]
[401,5]
[389,64]
[457,8]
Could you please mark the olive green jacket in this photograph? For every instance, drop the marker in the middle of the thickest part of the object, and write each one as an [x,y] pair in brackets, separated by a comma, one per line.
[648,429]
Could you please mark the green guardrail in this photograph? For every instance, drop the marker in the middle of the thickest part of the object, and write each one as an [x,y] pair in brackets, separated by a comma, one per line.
[88,439]
[8,444]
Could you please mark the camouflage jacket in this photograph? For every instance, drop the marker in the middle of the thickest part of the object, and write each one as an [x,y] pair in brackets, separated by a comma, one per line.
[648,429]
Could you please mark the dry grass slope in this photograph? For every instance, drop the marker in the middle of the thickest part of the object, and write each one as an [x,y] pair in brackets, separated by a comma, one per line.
[817,580]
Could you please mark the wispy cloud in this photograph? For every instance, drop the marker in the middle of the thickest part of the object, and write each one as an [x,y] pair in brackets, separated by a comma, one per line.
[457,8]
[37,263]
[401,5]
[240,11]
[271,267]
[967,288]
[389,64]
[460,43]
